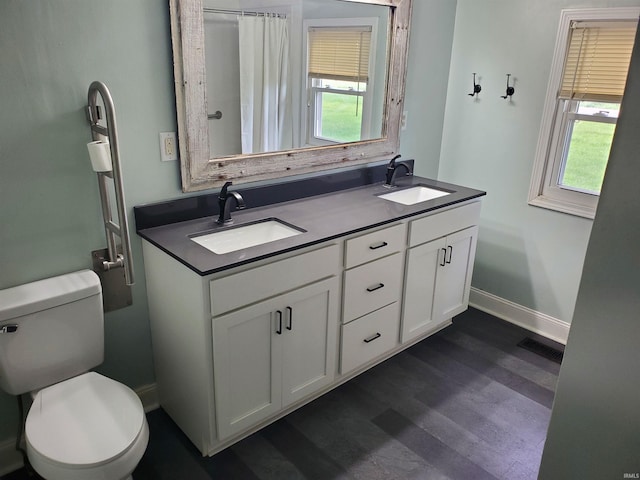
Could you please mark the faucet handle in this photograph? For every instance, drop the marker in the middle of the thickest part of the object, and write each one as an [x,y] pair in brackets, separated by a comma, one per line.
[223,190]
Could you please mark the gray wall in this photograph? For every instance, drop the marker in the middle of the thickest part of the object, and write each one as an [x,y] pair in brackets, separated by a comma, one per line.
[430,44]
[49,204]
[595,423]
[528,255]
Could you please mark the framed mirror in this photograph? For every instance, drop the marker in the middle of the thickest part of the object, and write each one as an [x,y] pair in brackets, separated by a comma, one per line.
[222,138]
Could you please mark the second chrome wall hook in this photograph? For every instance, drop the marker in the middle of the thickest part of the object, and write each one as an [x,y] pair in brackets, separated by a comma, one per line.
[476,87]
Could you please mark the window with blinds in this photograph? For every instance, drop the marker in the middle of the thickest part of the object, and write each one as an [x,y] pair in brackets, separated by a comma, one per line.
[588,78]
[597,60]
[339,53]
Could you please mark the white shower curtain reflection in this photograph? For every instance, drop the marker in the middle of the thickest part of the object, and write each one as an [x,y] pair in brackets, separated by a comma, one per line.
[264,70]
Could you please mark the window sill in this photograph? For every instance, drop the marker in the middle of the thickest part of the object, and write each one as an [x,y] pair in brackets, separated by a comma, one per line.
[550,203]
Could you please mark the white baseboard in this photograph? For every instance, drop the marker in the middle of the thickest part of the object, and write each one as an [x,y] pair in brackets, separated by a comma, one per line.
[149,396]
[11,459]
[537,322]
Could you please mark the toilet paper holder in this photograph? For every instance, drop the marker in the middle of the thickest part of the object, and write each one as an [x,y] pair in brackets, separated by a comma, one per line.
[108,133]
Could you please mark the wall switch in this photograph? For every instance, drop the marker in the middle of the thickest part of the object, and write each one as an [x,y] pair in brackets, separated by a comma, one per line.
[403,120]
[168,146]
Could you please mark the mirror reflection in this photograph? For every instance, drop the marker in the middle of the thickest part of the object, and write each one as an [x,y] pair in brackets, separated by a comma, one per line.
[293,74]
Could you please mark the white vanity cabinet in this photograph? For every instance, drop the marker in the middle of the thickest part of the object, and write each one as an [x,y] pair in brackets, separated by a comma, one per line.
[238,349]
[439,269]
[274,336]
[233,350]
[273,353]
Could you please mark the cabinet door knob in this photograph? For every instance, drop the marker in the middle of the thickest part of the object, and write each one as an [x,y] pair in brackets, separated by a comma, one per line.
[279,329]
[377,287]
[372,338]
[379,245]
[290,326]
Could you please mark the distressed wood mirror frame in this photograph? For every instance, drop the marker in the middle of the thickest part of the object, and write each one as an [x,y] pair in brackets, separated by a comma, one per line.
[200,172]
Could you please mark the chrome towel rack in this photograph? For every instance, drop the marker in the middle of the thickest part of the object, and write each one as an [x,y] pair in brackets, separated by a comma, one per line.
[109,132]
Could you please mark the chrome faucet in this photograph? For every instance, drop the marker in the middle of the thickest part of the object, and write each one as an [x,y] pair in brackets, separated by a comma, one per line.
[392,169]
[224,204]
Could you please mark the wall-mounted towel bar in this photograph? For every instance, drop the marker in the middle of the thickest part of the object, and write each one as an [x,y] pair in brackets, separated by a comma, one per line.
[109,132]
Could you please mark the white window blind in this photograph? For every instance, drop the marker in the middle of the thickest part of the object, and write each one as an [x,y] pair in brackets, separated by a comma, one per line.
[597,60]
[339,53]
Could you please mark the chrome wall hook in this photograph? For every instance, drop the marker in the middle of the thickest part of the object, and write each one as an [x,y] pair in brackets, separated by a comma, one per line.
[510,89]
[476,87]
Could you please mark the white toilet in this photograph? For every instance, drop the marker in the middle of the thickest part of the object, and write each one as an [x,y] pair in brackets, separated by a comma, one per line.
[81,425]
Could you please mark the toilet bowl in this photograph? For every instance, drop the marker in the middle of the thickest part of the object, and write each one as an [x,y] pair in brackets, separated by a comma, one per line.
[88,427]
[81,425]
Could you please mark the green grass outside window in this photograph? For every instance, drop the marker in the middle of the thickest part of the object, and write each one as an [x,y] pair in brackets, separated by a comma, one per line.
[588,155]
[341,117]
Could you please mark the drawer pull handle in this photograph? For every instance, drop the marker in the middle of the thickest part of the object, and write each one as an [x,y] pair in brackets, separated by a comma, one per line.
[450,248]
[9,329]
[377,287]
[290,326]
[279,329]
[372,338]
[379,245]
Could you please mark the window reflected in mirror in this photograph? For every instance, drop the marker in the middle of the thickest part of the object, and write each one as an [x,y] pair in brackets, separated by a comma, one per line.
[338,71]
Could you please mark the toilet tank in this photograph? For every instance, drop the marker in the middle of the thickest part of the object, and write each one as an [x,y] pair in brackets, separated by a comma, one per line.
[50,330]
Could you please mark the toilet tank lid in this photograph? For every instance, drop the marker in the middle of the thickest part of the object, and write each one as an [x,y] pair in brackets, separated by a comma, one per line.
[48,293]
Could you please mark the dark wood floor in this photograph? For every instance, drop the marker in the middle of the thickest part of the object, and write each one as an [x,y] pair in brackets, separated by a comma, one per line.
[466,403]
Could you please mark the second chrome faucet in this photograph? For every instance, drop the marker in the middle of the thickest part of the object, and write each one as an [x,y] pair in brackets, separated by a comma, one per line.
[224,204]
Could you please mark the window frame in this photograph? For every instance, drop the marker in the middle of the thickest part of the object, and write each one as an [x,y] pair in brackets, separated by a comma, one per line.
[544,190]
[309,106]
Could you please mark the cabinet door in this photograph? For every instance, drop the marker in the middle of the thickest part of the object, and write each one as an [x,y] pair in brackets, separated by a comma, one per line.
[247,366]
[454,278]
[422,269]
[309,339]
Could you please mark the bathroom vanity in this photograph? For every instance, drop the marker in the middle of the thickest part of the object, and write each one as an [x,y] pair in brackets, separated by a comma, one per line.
[242,338]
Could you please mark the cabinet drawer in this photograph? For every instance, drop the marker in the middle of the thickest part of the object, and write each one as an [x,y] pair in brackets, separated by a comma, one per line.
[250,286]
[370,336]
[372,286]
[374,245]
[440,224]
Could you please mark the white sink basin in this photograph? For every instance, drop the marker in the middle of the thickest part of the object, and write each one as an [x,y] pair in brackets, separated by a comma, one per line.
[413,195]
[245,236]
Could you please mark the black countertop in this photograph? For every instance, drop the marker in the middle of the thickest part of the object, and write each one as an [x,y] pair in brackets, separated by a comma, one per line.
[323,217]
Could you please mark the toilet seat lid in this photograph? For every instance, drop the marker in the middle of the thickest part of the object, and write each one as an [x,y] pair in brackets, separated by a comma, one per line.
[85,421]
